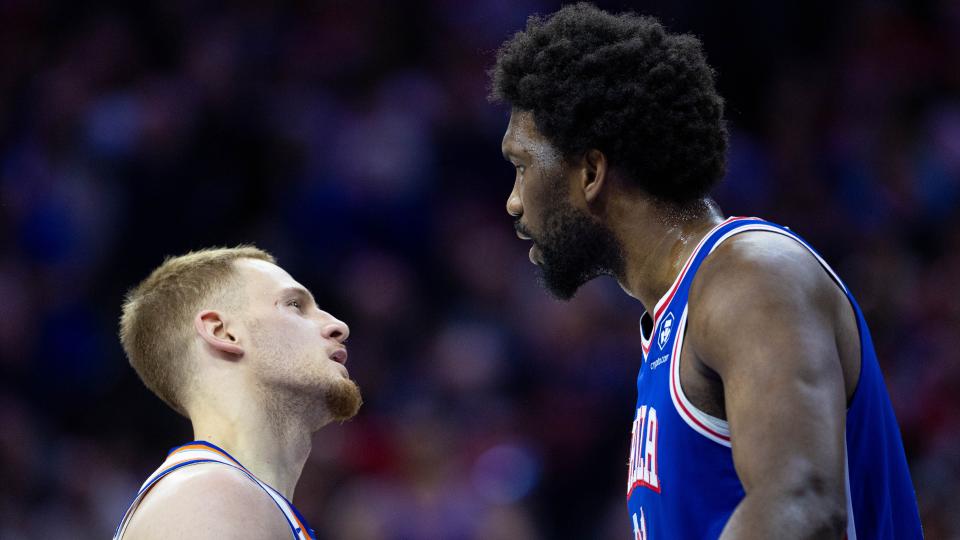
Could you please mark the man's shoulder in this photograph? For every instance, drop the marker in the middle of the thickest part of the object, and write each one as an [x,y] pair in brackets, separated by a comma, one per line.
[208,500]
[763,263]
[754,283]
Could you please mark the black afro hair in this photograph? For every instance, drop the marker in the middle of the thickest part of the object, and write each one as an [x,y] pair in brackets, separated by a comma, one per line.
[624,85]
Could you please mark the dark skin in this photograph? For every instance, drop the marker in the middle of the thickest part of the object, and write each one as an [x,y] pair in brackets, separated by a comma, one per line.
[772,344]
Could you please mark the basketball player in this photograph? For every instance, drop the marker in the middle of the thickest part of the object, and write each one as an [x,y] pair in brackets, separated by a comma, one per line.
[228,339]
[761,410]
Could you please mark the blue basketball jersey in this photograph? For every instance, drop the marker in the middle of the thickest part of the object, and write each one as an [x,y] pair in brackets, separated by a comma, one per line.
[681,480]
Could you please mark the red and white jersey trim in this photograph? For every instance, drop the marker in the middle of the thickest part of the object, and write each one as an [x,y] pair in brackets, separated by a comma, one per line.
[711,427]
[771,228]
[668,296]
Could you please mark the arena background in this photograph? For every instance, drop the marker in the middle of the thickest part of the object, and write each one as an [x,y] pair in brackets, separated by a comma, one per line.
[354,140]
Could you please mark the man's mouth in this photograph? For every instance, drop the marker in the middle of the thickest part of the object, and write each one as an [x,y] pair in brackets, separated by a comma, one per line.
[522,232]
[524,235]
[339,356]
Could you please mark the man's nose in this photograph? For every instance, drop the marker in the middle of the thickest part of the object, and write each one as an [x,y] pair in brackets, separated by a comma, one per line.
[514,205]
[336,329]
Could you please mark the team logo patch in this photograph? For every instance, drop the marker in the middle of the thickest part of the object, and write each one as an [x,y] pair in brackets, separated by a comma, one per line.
[665,330]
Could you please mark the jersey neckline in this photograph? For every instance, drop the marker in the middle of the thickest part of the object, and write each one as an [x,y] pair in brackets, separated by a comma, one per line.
[206,445]
[661,305]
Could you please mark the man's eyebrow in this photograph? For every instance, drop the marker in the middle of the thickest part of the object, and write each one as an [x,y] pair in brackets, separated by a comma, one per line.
[301,291]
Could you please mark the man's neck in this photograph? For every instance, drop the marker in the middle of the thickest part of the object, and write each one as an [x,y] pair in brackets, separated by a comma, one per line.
[657,241]
[274,451]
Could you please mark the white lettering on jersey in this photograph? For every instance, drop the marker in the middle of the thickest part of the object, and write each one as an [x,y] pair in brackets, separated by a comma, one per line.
[665,330]
[650,451]
[639,527]
[642,467]
[659,361]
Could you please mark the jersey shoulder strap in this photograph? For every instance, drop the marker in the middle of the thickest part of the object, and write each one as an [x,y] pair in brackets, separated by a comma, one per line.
[201,452]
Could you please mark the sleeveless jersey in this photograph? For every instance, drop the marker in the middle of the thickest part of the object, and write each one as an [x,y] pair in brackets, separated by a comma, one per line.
[201,452]
[681,479]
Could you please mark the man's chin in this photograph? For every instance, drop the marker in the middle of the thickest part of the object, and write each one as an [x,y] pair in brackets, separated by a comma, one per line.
[558,287]
[343,400]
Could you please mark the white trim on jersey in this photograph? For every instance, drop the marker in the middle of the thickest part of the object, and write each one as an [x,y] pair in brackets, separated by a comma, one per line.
[851,524]
[788,234]
[711,427]
[192,455]
[667,297]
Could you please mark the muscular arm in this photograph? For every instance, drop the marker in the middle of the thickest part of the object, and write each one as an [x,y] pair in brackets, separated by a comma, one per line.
[207,502]
[762,317]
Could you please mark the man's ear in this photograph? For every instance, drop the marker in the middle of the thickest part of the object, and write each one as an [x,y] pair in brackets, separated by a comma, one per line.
[212,327]
[595,170]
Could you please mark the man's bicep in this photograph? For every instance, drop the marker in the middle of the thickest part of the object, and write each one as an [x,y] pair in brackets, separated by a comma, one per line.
[785,407]
[775,351]
[207,503]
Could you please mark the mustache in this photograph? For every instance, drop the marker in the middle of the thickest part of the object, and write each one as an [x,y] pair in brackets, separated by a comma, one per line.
[521,229]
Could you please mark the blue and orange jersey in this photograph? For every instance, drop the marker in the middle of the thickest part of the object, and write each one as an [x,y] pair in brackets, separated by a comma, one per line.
[200,453]
[681,478]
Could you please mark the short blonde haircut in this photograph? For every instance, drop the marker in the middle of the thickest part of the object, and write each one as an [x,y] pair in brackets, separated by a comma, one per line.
[157,321]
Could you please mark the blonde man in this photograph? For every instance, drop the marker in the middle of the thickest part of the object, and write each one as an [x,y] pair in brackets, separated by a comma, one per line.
[231,341]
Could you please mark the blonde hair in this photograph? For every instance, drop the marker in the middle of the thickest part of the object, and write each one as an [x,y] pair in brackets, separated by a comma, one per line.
[156,323]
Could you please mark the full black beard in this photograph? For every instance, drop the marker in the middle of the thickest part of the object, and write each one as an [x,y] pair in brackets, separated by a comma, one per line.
[575,248]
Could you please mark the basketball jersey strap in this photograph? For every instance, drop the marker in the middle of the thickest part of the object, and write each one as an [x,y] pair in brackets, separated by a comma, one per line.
[713,428]
[198,453]
[708,243]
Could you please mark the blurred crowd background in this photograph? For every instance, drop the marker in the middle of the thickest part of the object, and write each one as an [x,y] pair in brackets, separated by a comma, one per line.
[355,141]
